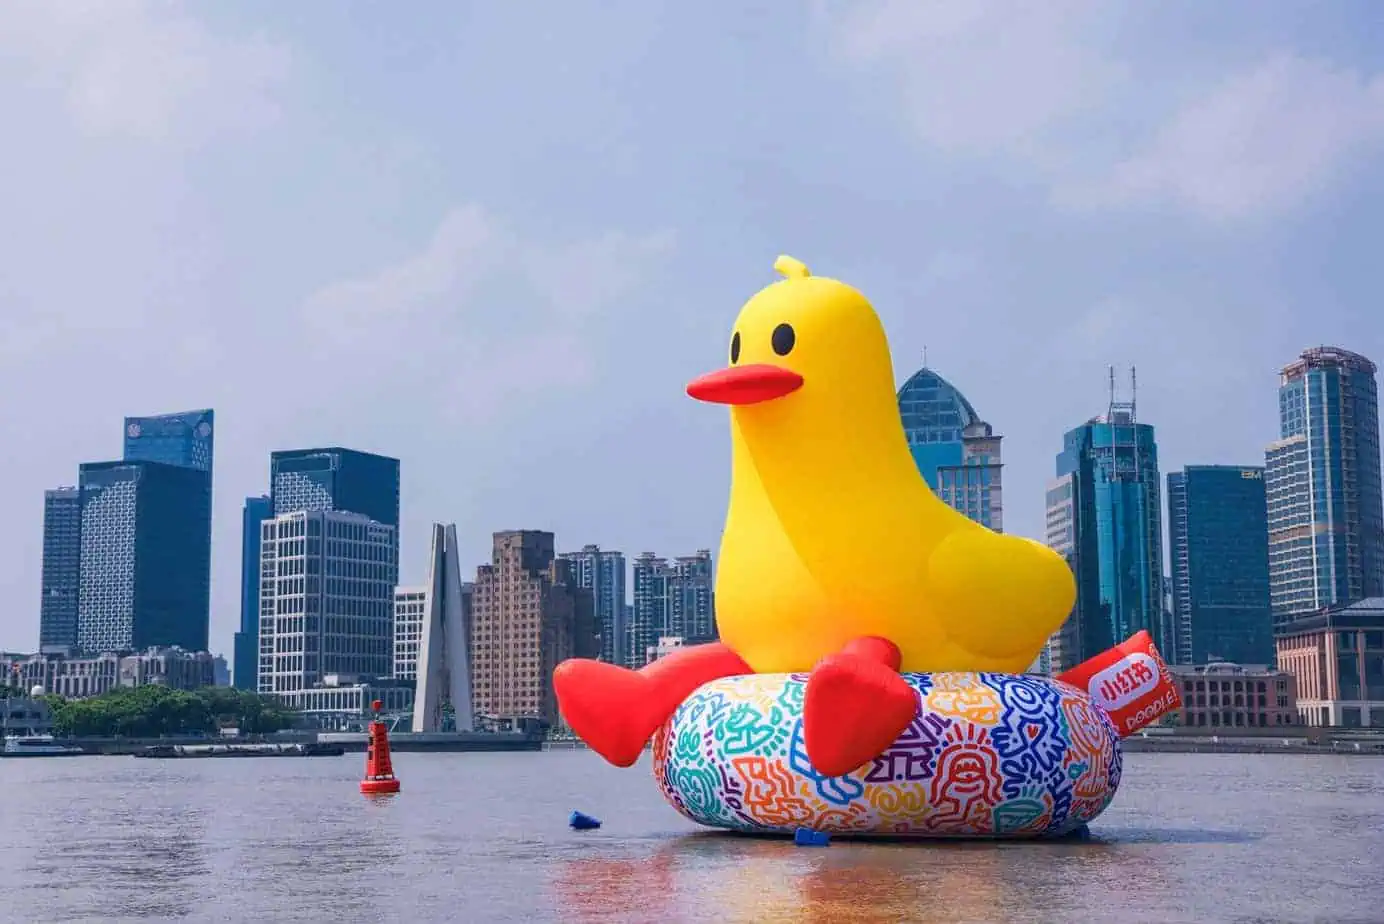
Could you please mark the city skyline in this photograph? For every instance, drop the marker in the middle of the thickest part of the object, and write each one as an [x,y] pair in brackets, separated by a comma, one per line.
[335,479]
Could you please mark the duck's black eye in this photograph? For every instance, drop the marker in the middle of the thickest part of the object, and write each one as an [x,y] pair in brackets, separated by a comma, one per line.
[735,348]
[783,339]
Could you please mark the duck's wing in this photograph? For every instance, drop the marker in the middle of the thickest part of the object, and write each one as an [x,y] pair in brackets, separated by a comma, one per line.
[1000,596]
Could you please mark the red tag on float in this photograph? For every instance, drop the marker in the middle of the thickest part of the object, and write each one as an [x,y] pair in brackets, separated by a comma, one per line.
[1130,682]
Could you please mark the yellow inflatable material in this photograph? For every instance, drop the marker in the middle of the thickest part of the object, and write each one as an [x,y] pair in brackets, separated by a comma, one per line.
[832,534]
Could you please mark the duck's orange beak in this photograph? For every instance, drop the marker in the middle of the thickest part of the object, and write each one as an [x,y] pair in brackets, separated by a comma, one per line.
[745,384]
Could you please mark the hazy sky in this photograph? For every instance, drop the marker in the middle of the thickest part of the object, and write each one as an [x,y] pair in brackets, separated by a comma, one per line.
[496,239]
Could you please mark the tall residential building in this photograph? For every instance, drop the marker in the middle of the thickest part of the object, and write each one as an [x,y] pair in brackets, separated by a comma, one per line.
[327,599]
[956,452]
[62,558]
[671,599]
[1322,477]
[443,665]
[1118,531]
[528,615]
[185,439]
[1064,503]
[410,604]
[143,573]
[603,573]
[252,517]
[335,479]
[1218,540]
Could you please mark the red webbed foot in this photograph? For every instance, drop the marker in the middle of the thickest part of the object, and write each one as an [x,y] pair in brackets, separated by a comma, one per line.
[616,710]
[855,706]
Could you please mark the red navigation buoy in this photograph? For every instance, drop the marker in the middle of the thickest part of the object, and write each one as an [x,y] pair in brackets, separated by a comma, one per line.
[379,777]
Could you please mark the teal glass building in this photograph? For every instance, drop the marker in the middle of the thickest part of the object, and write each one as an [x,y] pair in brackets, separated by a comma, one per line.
[1219,545]
[1322,478]
[254,513]
[957,452]
[1108,494]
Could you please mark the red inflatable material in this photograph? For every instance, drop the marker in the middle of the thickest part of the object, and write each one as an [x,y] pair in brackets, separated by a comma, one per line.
[1130,682]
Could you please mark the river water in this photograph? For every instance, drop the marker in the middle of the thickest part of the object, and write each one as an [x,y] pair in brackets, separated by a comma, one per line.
[484,837]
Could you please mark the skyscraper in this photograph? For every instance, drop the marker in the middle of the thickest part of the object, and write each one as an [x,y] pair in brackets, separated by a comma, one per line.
[62,557]
[956,452]
[185,439]
[1322,478]
[1084,628]
[327,599]
[1218,540]
[674,599]
[527,616]
[1117,528]
[252,516]
[335,479]
[143,556]
[602,571]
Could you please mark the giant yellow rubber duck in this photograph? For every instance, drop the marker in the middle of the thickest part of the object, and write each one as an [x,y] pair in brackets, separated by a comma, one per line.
[836,557]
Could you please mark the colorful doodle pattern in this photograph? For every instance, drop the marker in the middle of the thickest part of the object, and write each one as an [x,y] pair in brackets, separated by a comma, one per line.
[989,755]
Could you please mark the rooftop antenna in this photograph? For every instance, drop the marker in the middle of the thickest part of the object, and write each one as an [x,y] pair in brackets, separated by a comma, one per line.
[925,356]
[1110,410]
[1133,393]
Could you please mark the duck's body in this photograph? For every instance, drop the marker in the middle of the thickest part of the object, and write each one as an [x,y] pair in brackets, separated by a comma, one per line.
[832,533]
[836,557]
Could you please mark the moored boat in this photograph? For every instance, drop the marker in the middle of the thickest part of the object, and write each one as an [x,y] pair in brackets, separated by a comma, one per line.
[37,746]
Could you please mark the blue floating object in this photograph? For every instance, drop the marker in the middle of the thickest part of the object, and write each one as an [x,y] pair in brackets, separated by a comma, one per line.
[806,837]
[580,821]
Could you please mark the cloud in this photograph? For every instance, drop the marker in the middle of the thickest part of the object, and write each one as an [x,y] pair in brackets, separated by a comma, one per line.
[1258,144]
[1047,88]
[984,76]
[143,70]
[481,315]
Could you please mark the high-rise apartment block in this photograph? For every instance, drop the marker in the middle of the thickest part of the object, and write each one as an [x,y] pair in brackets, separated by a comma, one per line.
[1113,502]
[671,599]
[602,571]
[62,558]
[956,452]
[1218,540]
[409,607]
[327,599]
[252,517]
[527,615]
[1322,478]
[144,542]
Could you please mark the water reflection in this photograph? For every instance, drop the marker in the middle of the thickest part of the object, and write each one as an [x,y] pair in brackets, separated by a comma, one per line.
[740,879]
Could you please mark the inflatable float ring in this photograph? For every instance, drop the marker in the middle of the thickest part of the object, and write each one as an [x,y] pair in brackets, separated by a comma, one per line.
[988,755]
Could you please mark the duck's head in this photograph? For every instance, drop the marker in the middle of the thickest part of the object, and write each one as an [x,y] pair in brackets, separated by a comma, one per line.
[807,355]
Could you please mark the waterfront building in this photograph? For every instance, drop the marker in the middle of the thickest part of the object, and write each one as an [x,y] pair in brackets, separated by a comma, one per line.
[1218,541]
[603,571]
[443,666]
[956,451]
[246,651]
[335,479]
[143,576]
[81,677]
[671,598]
[528,615]
[343,702]
[1106,501]
[185,439]
[1337,656]
[62,558]
[22,716]
[327,584]
[1223,694]
[409,603]
[1322,478]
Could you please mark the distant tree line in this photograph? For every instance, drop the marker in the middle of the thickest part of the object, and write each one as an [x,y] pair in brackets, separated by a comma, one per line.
[152,711]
